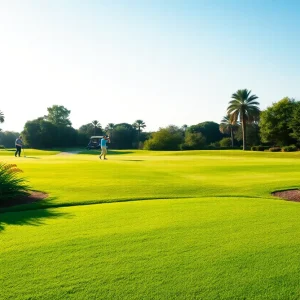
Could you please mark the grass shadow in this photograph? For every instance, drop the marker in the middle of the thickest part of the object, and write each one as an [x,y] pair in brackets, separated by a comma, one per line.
[33,214]
[110,152]
[29,217]
[132,160]
[119,152]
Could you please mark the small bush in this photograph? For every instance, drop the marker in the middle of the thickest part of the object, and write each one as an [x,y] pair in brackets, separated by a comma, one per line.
[184,147]
[215,145]
[275,149]
[290,148]
[265,147]
[258,148]
[211,147]
[225,142]
[2,147]
[11,185]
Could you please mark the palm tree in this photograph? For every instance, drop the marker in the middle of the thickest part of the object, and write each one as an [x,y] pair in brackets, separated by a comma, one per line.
[1,117]
[96,125]
[228,125]
[184,127]
[243,107]
[138,124]
[109,129]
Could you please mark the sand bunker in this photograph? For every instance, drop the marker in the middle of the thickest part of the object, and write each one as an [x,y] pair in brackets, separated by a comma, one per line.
[290,195]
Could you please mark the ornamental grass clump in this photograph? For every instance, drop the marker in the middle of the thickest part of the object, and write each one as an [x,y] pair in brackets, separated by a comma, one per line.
[11,184]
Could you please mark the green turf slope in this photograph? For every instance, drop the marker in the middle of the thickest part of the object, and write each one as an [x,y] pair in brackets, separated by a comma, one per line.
[216,233]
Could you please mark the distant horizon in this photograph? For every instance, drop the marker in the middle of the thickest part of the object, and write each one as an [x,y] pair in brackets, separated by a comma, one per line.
[169,63]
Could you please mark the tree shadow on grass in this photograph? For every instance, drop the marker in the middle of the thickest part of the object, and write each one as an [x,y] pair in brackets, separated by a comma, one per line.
[28,214]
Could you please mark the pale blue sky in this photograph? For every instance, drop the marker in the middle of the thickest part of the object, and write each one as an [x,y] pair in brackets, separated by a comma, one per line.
[117,61]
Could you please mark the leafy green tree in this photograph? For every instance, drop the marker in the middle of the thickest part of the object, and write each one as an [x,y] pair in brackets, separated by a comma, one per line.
[58,115]
[252,134]
[193,141]
[276,121]
[210,130]
[87,130]
[294,124]
[244,108]
[168,138]
[228,125]
[84,133]
[123,136]
[97,127]
[66,136]
[8,138]
[143,137]
[40,134]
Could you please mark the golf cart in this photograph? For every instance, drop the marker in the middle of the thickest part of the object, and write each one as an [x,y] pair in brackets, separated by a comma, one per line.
[94,142]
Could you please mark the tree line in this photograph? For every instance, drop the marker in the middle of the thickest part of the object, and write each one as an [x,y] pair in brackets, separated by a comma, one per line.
[244,125]
[55,130]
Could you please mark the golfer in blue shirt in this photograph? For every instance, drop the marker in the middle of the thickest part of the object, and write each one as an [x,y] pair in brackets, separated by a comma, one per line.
[103,142]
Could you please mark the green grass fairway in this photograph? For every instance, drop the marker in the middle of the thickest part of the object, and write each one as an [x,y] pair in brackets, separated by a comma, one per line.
[33,153]
[153,225]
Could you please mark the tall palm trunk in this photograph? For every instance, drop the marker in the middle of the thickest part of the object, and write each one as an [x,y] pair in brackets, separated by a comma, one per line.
[231,134]
[244,130]
[139,133]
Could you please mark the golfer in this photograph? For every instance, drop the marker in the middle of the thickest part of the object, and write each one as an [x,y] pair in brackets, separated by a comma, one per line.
[103,142]
[19,145]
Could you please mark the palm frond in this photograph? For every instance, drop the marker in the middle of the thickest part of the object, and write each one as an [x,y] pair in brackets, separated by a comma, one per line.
[11,185]
[252,97]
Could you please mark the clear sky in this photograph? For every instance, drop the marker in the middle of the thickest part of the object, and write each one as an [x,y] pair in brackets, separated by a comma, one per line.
[162,61]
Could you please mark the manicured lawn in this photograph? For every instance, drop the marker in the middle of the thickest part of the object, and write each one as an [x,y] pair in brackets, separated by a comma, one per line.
[209,229]
[32,153]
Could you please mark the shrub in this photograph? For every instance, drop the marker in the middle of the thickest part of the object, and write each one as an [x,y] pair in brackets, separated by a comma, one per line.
[290,148]
[265,147]
[225,142]
[215,145]
[193,141]
[2,147]
[258,148]
[11,185]
[168,138]
[275,149]
[212,147]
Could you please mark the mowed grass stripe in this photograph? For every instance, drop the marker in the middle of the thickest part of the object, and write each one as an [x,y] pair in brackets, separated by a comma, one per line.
[187,249]
[72,179]
[226,238]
